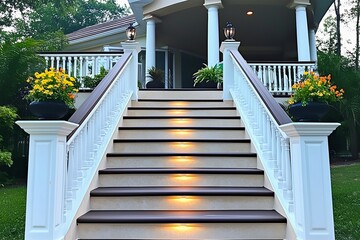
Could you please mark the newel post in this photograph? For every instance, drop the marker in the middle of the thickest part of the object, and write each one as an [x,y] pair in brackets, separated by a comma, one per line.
[134,48]
[228,67]
[311,179]
[46,178]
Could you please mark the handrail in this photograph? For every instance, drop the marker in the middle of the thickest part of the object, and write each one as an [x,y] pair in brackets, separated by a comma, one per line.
[277,112]
[81,113]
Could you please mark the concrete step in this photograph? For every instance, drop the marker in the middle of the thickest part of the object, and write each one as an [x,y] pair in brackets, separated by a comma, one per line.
[135,160]
[132,177]
[181,133]
[188,94]
[233,224]
[181,146]
[181,198]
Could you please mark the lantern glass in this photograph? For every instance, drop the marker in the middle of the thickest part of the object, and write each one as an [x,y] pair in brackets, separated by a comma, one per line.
[131,32]
[229,31]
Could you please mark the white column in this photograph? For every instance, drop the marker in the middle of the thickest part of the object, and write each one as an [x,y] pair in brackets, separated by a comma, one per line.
[228,68]
[312,43]
[46,178]
[302,31]
[311,179]
[213,31]
[134,48]
[150,44]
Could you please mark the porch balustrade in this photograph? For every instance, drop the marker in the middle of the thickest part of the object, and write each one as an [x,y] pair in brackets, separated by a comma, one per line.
[279,77]
[80,64]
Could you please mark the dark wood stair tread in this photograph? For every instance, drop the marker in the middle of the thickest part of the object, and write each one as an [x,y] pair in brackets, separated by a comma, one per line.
[181,171]
[180,128]
[181,108]
[208,154]
[181,216]
[225,140]
[182,191]
[181,117]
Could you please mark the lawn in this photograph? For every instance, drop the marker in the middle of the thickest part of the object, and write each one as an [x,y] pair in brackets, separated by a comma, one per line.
[12,212]
[346,201]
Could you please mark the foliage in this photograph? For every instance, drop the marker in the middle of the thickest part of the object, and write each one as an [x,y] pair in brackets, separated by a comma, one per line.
[345,76]
[5,158]
[92,82]
[52,85]
[18,59]
[7,119]
[67,17]
[346,200]
[315,88]
[12,213]
[156,74]
[209,74]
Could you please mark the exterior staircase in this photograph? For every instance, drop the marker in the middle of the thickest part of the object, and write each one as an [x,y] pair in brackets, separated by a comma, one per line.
[181,167]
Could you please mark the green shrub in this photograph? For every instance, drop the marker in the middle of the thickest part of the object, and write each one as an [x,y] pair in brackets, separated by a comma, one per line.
[5,158]
[92,82]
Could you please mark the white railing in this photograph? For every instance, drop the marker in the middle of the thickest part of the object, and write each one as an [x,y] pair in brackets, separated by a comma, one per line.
[294,156]
[80,64]
[279,77]
[88,145]
[64,156]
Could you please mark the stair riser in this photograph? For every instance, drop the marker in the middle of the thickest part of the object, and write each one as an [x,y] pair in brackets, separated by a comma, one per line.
[204,95]
[183,203]
[180,134]
[183,231]
[182,122]
[133,180]
[181,147]
[181,112]
[181,162]
[181,104]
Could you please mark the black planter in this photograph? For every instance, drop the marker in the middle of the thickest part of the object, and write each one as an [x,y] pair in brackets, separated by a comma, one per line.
[48,110]
[312,112]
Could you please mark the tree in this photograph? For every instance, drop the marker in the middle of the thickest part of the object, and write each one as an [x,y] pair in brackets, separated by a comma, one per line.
[7,119]
[337,6]
[328,43]
[49,17]
[345,76]
[354,12]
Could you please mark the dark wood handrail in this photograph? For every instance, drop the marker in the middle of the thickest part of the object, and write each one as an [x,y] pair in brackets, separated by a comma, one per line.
[275,109]
[83,53]
[84,110]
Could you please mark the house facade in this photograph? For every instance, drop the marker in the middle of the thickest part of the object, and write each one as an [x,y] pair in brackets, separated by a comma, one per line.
[185,163]
[180,36]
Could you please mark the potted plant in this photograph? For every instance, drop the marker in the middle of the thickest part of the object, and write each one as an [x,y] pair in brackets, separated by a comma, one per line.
[311,96]
[209,74]
[51,93]
[157,78]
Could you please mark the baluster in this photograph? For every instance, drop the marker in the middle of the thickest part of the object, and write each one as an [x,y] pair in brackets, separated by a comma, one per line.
[47,62]
[52,62]
[64,63]
[93,65]
[75,67]
[69,71]
[57,63]
[288,172]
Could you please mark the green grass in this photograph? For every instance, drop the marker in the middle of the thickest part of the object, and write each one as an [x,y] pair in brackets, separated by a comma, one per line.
[346,201]
[12,212]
